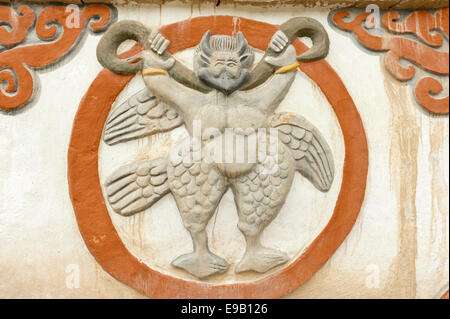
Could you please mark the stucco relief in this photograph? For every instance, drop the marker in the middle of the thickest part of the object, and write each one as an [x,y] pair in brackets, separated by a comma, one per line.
[34,36]
[119,170]
[200,169]
[224,77]
[414,46]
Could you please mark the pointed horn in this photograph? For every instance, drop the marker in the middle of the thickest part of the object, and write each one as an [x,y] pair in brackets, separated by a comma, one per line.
[242,44]
[205,44]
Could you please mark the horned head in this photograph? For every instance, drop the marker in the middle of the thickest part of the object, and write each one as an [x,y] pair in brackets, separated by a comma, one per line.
[209,49]
[223,62]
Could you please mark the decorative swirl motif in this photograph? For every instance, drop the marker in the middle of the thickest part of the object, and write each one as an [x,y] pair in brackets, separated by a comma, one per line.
[14,27]
[420,23]
[51,25]
[424,88]
[397,47]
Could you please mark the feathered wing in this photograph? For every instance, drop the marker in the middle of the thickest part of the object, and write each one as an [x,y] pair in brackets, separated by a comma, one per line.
[141,115]
[313,157]
[135,187]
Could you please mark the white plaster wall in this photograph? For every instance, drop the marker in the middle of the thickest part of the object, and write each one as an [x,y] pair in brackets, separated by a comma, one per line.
[40,241]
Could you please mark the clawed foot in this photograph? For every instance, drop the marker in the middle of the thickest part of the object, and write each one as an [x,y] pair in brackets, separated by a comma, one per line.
[261,259]
[201,265]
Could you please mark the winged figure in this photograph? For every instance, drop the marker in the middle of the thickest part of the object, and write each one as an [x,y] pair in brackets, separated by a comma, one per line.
[225,90]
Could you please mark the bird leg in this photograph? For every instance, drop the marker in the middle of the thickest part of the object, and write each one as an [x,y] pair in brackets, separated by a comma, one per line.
[260,258]
[201,262]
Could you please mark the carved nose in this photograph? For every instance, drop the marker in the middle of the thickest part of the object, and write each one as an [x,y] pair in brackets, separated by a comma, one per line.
[229,73]
[218,71]
[234,72]
[225,75]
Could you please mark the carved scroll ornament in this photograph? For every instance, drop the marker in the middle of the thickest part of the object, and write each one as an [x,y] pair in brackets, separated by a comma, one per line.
[426,51]
[54,34]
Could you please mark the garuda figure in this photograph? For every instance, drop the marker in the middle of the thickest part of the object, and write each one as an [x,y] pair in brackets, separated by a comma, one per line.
[225,90]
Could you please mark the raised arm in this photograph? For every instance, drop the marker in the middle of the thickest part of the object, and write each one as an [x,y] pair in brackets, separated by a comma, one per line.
[268,95]
[156,77]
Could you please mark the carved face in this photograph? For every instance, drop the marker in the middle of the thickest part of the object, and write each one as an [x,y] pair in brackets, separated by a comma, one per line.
[222,62]
[225,62]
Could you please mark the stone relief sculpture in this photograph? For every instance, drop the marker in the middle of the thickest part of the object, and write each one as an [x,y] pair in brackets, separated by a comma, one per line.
[224,94]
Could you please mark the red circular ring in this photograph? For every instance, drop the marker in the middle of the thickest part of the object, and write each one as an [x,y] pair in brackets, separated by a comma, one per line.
[98,230]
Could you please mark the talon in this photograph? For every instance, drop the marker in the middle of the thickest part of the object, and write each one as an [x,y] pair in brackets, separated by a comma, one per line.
[201,265]
[261,259]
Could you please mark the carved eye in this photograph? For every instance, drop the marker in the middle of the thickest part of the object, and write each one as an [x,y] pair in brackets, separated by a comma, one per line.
[231,64]
[244,58]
